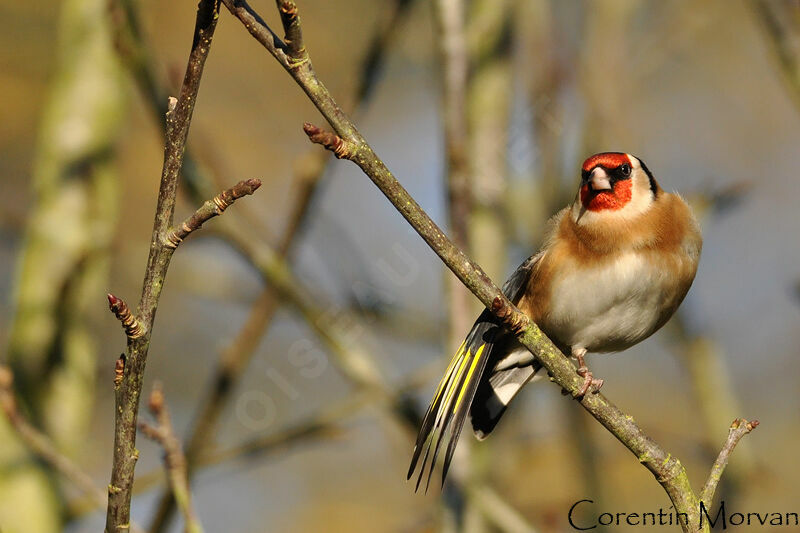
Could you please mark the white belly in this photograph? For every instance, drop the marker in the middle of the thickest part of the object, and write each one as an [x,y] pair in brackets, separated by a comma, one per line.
[609,308]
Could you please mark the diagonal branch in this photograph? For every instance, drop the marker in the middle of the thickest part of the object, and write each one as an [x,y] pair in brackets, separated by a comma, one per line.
[667,469]
[40,445]
[780,24]
[322,423]
[739,428]
[497,511]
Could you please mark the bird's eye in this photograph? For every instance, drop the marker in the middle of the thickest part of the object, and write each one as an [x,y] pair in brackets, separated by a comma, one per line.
[625,170]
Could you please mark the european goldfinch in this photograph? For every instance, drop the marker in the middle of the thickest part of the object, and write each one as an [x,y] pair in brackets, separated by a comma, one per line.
[615,266]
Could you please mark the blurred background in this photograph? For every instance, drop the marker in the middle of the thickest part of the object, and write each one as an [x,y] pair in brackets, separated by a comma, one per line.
[708,94]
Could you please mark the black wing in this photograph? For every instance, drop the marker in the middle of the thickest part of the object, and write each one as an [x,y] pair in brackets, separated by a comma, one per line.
[451,403]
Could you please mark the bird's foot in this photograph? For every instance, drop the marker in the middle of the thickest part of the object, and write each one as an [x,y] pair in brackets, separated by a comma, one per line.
[589,381]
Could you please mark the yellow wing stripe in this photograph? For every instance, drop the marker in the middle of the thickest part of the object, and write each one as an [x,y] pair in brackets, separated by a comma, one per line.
[457,377]
[469,375]
[443,381]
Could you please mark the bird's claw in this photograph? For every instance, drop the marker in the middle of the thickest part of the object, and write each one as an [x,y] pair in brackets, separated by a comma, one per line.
[589,382]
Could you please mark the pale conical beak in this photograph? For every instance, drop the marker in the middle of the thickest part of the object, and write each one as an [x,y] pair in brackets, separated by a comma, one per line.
[598,180]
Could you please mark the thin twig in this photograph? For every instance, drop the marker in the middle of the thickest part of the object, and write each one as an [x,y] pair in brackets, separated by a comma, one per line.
[137,56]
[348,353]
[498,512]
[174,461]
[128,392]
[40,445]
[211,209]
[455,65]
[776,29]
[304,431]
[451,21]
[385,32]
[234,359]
[326,421]
[291,26]
[352,359]
[667,469]
[451,17]
[706,372]
[739,428]
[322,423]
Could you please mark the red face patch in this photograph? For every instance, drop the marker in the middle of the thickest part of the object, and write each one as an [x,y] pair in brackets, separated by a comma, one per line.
[608,160]
[612,200]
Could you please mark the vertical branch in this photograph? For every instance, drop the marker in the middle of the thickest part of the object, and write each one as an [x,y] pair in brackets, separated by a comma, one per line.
[174,461]
[454,59]
[545,80]
[606,33]
[489,93]
[489,106]
[232,363]
[135,330]
[451,15]
[593,135]
[127,394]
[476,79]
[235,358]
[451,18]
[544,88]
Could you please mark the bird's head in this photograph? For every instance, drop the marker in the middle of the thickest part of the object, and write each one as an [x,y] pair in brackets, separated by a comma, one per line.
[613,182]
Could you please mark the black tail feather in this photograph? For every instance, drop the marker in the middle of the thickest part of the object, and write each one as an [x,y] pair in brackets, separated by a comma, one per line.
[450,405]
[494,394]
[486,343]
